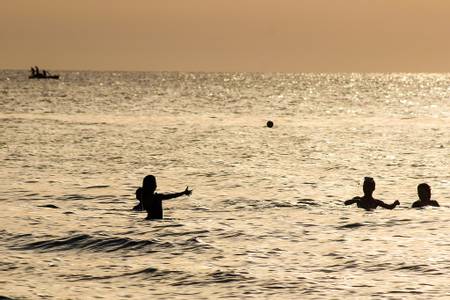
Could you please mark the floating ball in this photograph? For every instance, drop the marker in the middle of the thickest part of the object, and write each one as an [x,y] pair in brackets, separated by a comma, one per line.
[269,124]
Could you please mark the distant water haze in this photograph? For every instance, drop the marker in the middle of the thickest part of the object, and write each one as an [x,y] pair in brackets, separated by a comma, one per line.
[266,218]
[250,35]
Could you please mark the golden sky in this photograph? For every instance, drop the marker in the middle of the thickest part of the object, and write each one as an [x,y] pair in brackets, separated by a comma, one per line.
[227,35]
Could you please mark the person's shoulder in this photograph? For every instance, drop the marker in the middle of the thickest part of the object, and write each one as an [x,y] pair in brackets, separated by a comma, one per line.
[416,204]
[379,202]
[434,203]
[353,200]
[138,207]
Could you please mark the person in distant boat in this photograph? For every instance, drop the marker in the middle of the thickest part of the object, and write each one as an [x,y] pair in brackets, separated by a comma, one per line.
[37,71]
[152,201]
[367,201]
[44,73]
[33,72]
[424,193]
[140,205]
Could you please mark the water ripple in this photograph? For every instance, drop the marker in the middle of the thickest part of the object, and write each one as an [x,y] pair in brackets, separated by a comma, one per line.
[86,242]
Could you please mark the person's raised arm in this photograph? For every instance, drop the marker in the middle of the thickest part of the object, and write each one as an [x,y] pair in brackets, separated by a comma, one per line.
[186,192]
[388,206]
[352,201]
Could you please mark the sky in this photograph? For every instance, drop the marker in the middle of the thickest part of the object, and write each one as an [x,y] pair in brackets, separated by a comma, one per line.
[227,35]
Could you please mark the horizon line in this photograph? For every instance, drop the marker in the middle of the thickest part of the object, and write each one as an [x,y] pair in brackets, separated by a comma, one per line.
[229,71]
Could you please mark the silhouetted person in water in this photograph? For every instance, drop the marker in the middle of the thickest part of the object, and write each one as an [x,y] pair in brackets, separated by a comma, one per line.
[367,201]
[33,72]
[140,205]
[152,201]
[424,192]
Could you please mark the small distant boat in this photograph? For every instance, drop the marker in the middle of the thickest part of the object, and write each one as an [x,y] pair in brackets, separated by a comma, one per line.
[43,77]
[36,74]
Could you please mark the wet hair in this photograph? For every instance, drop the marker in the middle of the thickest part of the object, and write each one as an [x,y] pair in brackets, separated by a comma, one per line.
[423,187]
[369,180]
[139,194]
[149,182]
[369,184]
[424,191]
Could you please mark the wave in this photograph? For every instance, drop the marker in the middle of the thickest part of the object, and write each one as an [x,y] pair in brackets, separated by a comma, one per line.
[241,203]
[421,269]
[351,225]
[87,242]
[214,278]
[180,278]
[48,206]
[97,187]
[182,233]
[147,272]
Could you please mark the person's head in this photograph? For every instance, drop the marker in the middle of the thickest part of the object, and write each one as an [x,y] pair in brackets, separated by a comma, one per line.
[368,185]
[424,192]
[149,183]
[139,194]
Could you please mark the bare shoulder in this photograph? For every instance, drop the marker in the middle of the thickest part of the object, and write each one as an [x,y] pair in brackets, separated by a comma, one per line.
[434,203]
[352,201]
[416,204]
[379,202]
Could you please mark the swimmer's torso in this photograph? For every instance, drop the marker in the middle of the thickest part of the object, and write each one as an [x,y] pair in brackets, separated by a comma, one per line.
[153,205]
[367,203]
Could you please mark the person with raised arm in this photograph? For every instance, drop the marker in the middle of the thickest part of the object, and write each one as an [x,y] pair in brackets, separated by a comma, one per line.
[367,201]
[152,201]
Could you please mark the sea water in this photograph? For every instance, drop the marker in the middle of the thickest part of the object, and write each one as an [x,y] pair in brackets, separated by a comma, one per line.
[266,219]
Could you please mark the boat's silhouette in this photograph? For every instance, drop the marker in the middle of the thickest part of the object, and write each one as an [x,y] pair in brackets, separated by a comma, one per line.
[44,77]
[36,74]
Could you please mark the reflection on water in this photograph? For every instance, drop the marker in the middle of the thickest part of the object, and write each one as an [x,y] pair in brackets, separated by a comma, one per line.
[266,219]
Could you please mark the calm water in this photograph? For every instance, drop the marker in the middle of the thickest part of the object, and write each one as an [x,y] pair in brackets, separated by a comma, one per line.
[266,219]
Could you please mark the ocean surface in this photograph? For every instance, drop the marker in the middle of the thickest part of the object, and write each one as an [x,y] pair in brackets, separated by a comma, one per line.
[266,219]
